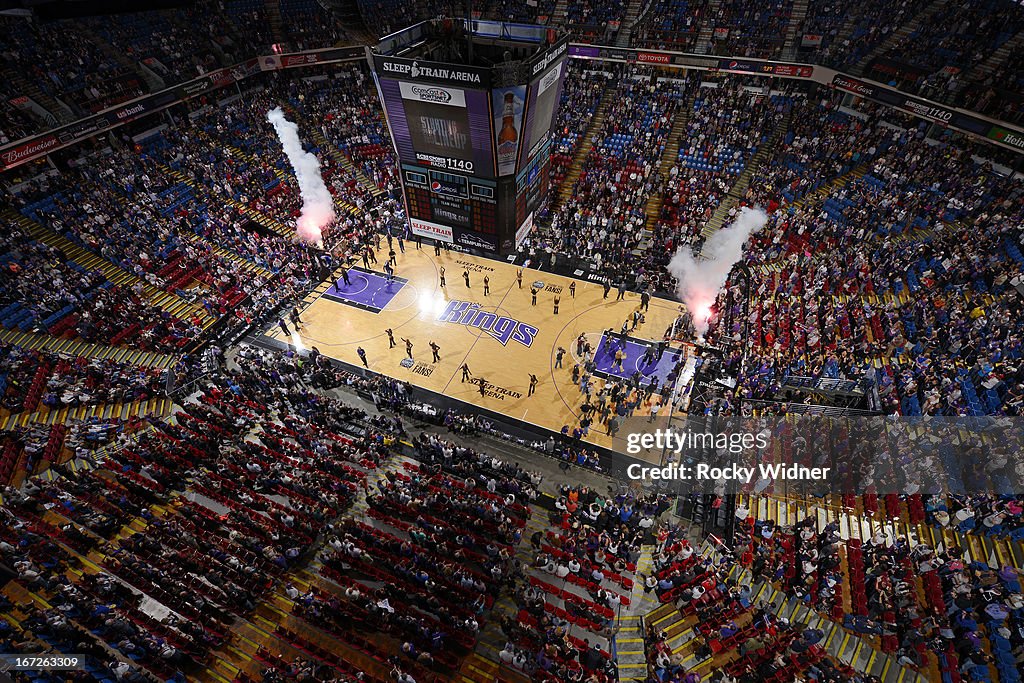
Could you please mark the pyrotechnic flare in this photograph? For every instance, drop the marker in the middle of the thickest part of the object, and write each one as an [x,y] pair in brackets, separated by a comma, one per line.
[700,280]
[317,203]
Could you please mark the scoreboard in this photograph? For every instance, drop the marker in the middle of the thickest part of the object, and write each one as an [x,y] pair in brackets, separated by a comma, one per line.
[456,201]
[531,186]
[474,156]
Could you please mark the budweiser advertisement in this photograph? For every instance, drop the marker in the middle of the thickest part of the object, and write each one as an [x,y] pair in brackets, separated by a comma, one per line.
[29,150]
[508,106]
[290,61]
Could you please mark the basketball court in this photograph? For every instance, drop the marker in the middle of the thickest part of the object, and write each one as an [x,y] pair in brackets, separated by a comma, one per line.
[501,336]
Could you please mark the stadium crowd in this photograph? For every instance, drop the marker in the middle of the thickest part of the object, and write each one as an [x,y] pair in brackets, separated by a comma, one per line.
[890,259]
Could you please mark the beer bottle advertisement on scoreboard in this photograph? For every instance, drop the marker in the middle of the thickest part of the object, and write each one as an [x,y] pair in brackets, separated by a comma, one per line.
[508,125]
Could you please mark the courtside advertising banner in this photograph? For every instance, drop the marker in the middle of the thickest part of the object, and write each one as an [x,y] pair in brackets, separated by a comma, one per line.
[432,230]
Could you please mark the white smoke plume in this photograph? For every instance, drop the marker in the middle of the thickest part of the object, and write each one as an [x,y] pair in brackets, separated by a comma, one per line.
[317,203]
[700,280]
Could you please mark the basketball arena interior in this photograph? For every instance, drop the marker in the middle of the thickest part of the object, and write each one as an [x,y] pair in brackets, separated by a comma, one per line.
[569,341]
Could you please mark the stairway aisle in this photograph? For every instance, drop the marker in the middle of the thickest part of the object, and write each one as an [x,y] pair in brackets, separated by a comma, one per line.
[628,649]
[171,303]
[485,666]
[739,188]
[345,163]
[669,156]
[75,347]
[846,646]
[158,407]
[58,111]
[260,218]
[282,176]
[558,14]
[707,28]
[152,80]
[897,37]
[585,145]
[794,30]
[273,10]
[625,33]
[983,69]
[264,633]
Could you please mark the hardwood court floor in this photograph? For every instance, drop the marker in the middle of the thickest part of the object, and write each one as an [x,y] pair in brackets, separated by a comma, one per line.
[337,329]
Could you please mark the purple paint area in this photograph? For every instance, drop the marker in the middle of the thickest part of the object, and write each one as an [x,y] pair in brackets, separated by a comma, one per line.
[366,290]
[634,360]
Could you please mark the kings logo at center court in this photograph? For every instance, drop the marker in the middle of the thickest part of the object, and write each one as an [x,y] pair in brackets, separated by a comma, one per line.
[501,327]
